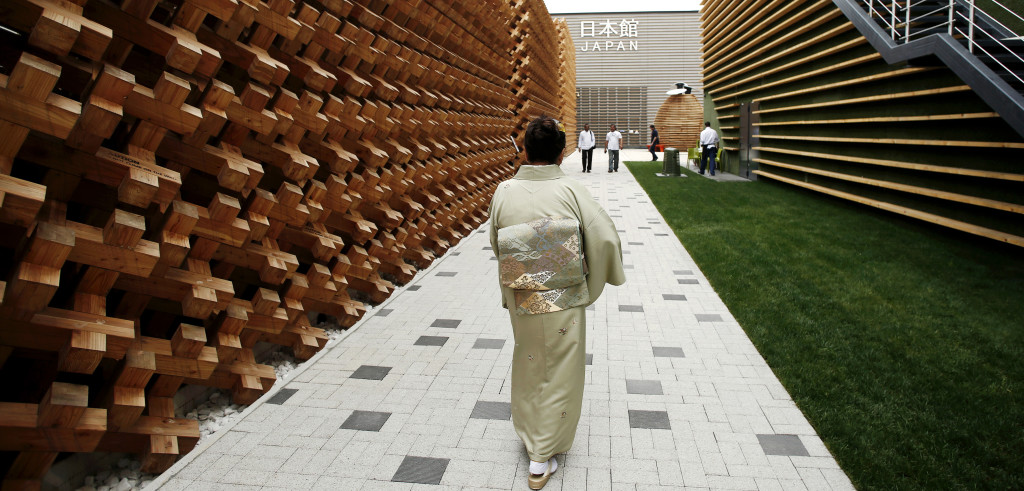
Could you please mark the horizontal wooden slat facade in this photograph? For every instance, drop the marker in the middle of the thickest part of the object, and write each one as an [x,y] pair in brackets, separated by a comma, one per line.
[800,97]
[600,107]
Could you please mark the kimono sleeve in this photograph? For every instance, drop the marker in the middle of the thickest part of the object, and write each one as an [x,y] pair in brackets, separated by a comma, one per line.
[493,212]
[602,249]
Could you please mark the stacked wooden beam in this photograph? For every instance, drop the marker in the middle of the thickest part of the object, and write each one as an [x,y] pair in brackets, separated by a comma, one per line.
[543,57]
[567,83]
[180,180]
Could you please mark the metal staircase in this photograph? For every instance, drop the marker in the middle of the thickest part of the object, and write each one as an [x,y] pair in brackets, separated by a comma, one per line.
[984,53]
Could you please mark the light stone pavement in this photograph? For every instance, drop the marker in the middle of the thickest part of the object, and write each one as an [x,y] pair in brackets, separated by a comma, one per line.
[417,392]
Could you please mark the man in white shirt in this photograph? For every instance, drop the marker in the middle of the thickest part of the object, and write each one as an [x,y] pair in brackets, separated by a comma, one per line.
[586,146]
[709,147]
[612,144]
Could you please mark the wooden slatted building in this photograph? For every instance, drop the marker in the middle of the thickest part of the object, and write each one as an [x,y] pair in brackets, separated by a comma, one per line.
[801,97]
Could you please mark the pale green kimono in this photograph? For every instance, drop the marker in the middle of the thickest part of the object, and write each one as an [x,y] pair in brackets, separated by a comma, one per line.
[550,351]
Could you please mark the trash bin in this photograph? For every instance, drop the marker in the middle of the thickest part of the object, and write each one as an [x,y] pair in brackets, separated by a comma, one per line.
[671,165]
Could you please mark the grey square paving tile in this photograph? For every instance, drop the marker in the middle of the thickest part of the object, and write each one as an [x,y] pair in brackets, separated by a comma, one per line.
[446,323]
[782,445]
[643,228]
[668,352]
[493,258]
[661,235]
[413,288]
[708,318]
[620,231]
[281,396]
[488,248]
[421,470]
[635,243]
[628,266]
[492,410]
[615,216]
[654,420]
[484,343]
[591,307]
[648,387]
[590,358]
[683,272]
[673,296]
[631,308]
[370,372]
[456,253]
[431,341]
[688,281]
[627,252]
[384,312]
[365,421]
[447,273]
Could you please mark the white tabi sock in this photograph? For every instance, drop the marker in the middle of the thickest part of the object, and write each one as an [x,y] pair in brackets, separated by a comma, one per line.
[539,468]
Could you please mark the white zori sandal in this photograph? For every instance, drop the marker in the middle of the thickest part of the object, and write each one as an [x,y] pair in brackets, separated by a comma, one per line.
[539,479]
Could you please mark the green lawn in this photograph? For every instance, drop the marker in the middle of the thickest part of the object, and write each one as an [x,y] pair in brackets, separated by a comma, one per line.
[903,343]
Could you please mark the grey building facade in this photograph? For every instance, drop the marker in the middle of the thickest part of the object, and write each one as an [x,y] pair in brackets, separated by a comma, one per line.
[625,62]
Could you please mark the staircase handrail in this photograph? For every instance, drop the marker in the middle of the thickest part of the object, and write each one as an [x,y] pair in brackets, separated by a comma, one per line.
[904,12]
[996,21]
[889,13]
[877,21]
[974,29]
[972,44]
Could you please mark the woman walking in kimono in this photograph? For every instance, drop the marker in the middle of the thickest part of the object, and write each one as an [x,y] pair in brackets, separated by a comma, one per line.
[550,346]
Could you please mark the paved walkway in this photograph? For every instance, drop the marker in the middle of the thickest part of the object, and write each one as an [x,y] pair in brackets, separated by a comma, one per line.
[418,392]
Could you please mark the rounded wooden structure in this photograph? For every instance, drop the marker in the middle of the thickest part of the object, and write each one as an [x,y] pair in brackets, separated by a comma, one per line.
[679,121]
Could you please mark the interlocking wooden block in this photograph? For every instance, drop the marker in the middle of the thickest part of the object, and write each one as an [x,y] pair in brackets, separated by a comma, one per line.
[83,352]
[55,31]
[123,229]
[20,201]
[63,405]
[188,341]
[37,275]
[90,248]
[126,400]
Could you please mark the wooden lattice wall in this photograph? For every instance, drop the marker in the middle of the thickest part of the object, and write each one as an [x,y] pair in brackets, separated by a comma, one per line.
[544,80]
[567,84]
[181,179]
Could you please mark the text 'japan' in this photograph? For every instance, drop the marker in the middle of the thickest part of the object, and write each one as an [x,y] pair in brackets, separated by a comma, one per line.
[609,30]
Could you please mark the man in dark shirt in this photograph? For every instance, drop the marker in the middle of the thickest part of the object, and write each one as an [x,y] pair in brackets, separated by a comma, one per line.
[655,141]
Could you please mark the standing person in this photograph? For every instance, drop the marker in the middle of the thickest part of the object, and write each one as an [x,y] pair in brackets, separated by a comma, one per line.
[586,146]
[709,147]
[655,141]
[612,144]
[548,362]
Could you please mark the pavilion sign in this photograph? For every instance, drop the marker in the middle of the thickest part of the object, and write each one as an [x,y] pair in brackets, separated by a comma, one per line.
[609,36]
